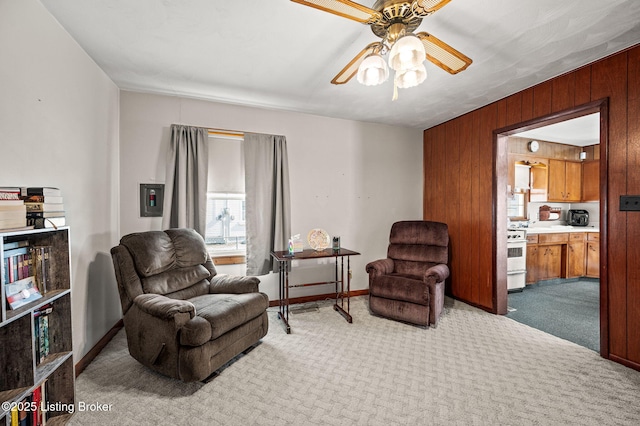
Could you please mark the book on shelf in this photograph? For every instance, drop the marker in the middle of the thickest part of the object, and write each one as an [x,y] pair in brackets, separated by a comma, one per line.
[24,414]
[16,244]
[44,190]
[14,415]
[13,261]
[10,193]
[44,207]
[36,397]
[8,204]
[43,199]
[22,292]
[11,224]
[41,332]
[12,216]
[41,266]
[51,221]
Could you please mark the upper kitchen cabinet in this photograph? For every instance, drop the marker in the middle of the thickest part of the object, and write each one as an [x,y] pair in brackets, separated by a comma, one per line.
[591,180]
[565,181]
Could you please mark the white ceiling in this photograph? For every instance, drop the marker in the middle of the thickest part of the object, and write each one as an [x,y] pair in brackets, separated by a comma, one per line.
[581,131]
[279,54]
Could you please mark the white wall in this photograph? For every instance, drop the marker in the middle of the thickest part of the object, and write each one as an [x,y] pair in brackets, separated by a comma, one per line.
[59,125]
[350,178]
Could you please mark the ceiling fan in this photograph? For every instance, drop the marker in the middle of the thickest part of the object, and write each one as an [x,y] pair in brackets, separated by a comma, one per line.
[394,22]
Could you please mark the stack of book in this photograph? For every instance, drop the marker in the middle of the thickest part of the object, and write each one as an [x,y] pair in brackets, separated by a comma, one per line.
[12,209]
[45,208]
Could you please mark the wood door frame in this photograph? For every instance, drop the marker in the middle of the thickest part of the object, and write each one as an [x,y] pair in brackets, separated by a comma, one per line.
[500,164]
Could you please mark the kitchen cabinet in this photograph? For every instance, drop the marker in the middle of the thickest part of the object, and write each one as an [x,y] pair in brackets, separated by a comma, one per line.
[593,255]
[565,181]
[545,256]
[576,261]
[537,179]
[562,255]
[591,180]
[549,262]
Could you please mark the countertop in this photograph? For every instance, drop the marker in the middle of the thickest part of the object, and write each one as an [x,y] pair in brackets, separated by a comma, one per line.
[555,229]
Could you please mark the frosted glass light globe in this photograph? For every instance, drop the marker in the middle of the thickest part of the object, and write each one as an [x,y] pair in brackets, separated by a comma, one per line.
[411,77]
[407,53]
[373,70]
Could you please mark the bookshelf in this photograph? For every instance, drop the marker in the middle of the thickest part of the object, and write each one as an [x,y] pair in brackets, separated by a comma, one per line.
[26,366]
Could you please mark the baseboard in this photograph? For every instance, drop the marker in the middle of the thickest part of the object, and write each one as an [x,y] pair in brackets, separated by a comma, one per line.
[90,356]
[317,297]
[625,362]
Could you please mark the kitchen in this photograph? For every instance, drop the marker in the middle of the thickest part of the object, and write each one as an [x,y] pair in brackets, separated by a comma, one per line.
[553,238]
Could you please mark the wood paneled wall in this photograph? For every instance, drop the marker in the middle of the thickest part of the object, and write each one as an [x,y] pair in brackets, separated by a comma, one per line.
[460,159]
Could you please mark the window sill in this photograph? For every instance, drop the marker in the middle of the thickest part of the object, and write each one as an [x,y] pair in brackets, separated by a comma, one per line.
[228,259]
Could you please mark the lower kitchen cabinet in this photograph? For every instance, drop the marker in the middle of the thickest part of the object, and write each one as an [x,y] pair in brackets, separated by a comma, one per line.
[593,255]
[550,262]
[562,255]
[576,260]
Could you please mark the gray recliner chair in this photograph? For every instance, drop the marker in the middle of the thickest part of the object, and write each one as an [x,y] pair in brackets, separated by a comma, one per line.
[182,319]
[409,284]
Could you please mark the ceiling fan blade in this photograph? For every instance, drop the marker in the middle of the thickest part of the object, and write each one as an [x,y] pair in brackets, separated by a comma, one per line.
[346,9]
[352,67]
[427,7]
[443,55]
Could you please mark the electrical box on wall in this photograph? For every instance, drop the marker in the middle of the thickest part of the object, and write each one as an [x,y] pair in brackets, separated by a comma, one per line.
[151,199]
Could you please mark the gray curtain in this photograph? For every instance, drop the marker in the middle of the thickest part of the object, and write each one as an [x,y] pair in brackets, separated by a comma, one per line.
[185,202]
[268,203]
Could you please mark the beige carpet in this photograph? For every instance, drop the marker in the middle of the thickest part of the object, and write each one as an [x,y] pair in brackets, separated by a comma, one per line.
[473,369]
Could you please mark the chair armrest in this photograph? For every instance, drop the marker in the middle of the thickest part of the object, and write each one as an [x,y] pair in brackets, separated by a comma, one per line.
[436,274]
[380,267]
[163,307]
[233,284]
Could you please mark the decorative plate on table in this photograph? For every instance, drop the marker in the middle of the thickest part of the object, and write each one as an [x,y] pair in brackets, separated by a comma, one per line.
[318,239]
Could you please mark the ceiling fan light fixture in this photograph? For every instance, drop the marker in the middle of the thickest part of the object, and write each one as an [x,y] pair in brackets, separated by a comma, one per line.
[373,70]
[407,53]
[411,77]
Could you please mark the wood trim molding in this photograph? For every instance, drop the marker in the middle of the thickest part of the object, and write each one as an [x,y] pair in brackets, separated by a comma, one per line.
[317,297]
[624,361]
[93,353]
[229,260]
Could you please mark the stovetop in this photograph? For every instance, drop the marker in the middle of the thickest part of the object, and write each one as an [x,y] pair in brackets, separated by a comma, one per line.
[516,235]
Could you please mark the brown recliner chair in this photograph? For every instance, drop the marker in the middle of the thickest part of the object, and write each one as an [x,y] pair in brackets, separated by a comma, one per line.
[409,284]
[181,318]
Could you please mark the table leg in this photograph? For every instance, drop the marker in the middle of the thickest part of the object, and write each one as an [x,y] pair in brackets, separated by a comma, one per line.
[283,293]
[336,307]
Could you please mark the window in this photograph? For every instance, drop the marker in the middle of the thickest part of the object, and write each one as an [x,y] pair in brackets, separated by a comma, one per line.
[225,234]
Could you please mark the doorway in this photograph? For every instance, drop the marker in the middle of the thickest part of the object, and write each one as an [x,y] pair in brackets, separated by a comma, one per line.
[590,294]
[565,303]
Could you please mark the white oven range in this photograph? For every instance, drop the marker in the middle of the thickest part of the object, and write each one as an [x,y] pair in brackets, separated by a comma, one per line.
[516,259]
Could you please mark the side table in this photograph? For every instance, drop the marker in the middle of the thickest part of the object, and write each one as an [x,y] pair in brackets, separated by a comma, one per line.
[342,293]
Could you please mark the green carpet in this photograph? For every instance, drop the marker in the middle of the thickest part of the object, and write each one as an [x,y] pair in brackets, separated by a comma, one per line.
[568,309]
